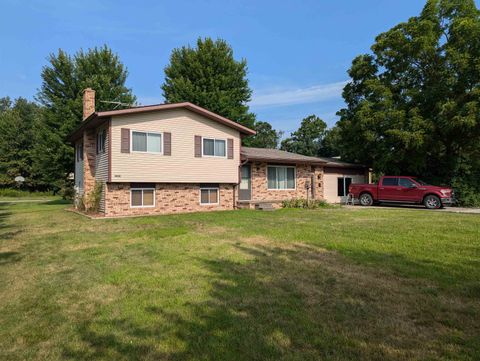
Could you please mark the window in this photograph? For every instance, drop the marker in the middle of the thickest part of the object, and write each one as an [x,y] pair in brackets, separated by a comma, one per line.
[214,147]
[281,177]
[208,196]
[101,139]
[79,152]
[405,182]
[343,183]
[146,142]
[142,197]
[390,182]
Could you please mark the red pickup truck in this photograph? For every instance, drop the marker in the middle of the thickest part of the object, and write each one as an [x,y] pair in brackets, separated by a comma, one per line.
[401,189]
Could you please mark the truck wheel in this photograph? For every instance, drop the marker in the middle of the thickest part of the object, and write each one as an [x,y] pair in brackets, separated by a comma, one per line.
[432,202]
[366,199]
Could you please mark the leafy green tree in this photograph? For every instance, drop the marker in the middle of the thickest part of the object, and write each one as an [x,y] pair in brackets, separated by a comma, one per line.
[331,143]
[209,76]
[308,138]
[266,136]
[16,143]
[63,81]
[413,104]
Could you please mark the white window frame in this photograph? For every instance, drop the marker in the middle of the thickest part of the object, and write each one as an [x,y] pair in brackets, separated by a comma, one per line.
[101,139]
[209,189]
[294,177]
[146,132]
[215,156]
[143,189]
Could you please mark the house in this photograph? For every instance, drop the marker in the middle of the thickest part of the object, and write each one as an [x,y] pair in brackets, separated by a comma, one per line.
[182,158]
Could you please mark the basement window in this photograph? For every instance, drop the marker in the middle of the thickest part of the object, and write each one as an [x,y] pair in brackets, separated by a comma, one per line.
[142,197]
[209,196]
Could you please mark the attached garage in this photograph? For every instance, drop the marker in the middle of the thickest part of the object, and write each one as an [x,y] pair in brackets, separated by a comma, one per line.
[338,176]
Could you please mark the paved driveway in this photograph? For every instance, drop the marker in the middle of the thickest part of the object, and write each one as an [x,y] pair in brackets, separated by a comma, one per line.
[420,208]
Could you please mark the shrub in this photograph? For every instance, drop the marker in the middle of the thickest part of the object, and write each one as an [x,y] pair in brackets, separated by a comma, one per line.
[15,193]
[305,204]
[94,198]
[67,191]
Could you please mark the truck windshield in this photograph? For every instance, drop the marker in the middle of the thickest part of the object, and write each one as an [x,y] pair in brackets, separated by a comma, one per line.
[421,182]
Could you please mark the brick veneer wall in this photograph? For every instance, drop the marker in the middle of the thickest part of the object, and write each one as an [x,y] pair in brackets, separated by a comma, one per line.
[260,191]
[169,198]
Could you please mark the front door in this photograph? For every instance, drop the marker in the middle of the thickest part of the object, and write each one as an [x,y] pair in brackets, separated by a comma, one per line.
[245,193]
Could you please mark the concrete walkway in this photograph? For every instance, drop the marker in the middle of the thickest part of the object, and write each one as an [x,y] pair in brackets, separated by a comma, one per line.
[420,208]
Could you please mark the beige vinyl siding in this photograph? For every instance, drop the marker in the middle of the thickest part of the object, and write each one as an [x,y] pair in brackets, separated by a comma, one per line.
[181,166]
[330,185]
[78,171]
[101,166]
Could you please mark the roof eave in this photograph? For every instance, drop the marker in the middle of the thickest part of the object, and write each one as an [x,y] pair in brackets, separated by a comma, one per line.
[284,161]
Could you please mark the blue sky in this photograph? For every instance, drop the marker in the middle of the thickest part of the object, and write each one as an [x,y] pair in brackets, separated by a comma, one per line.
[298,52]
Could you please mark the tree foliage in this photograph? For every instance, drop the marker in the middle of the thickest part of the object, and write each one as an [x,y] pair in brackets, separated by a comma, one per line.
[266,136]
[209,76]
[63,82]
[307,140]
[413,104]
[17,121]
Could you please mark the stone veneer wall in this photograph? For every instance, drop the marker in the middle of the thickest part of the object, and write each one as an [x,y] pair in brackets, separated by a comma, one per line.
[169,198]
[260,191]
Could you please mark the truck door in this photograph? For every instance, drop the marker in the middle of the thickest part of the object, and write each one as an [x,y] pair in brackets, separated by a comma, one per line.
[410,191]
[389,190]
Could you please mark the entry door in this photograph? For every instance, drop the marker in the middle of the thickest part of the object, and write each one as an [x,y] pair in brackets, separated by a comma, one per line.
[245,193]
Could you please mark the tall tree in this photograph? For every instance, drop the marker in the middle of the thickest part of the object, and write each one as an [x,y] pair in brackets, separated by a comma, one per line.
[413,105]
[330,145]
[266,136]
[63,80]
[209,76]
[308,138]
[16,143]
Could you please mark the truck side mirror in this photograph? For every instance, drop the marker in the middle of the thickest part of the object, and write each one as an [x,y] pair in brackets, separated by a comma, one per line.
[413,185]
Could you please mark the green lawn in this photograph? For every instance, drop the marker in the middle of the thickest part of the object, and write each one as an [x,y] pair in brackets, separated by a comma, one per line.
[333,284]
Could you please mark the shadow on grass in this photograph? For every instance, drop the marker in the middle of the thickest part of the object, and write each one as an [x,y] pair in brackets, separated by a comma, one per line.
[57,202]
[9,257]
[4,215]
[296,303]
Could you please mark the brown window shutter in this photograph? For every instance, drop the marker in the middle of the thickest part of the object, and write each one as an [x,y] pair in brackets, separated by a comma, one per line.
[167,143]
[230,148]
[125,140]
[198,146]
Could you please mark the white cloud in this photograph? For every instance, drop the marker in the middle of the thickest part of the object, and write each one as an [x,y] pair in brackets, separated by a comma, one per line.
[313,94]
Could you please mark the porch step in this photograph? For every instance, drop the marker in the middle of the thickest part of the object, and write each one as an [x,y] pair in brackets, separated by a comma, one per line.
[264,207]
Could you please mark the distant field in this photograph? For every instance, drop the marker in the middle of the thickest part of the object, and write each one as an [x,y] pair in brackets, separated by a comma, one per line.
[332,284]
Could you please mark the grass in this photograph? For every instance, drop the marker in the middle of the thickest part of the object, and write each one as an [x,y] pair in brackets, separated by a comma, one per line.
[336,284]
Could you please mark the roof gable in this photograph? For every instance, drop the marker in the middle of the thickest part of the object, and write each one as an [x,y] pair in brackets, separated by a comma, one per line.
[96,118]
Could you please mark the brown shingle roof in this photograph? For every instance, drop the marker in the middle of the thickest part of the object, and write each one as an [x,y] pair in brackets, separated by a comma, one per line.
[276,155]
[281,156]
[97,117]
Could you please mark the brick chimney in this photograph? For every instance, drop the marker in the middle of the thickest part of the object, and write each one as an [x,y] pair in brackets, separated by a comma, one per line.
[88,102]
